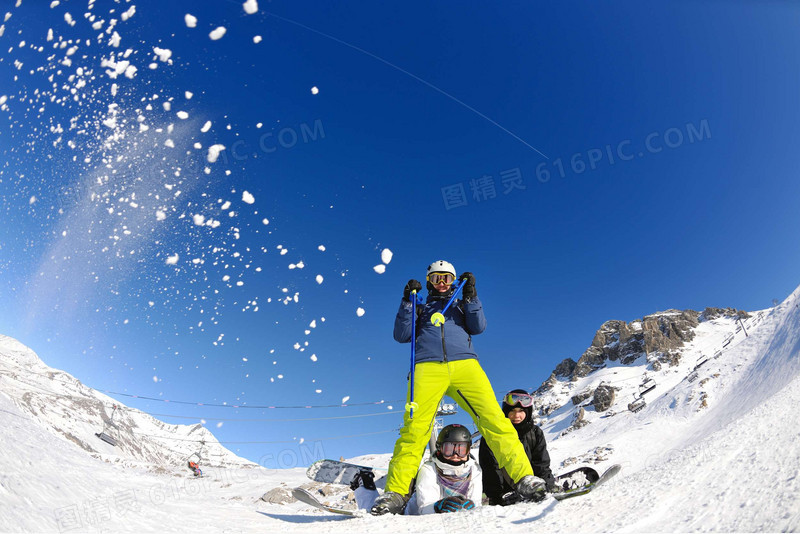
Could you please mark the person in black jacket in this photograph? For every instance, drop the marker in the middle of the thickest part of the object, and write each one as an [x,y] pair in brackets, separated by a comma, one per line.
[518,407]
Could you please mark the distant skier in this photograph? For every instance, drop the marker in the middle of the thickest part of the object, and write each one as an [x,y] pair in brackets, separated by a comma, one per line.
[451,480]
[446,363]
[518,407]
[195,469]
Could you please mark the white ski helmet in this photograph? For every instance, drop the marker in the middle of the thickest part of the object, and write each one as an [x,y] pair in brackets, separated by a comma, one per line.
[441,266]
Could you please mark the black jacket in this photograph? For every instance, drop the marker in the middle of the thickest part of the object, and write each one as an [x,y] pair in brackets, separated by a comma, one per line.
[496,481]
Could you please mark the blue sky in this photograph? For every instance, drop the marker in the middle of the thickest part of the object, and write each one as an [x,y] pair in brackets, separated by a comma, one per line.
[616,159]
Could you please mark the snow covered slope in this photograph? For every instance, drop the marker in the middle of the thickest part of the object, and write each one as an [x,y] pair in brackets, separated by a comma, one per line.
[718,453]
[75,412]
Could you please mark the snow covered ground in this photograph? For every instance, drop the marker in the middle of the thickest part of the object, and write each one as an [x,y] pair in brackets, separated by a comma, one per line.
[729,465]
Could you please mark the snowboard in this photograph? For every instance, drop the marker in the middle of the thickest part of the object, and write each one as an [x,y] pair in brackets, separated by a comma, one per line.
[304,496]
[581,481]
[336,472]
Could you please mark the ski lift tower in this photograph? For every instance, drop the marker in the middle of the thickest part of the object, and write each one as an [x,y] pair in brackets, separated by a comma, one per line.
[443,410]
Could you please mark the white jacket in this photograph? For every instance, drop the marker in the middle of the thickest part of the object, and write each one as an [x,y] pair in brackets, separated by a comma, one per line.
[428,490]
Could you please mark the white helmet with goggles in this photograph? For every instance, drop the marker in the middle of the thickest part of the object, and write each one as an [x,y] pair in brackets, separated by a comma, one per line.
[439,270]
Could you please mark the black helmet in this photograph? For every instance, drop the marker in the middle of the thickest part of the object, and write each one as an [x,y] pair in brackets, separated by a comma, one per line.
[455,433]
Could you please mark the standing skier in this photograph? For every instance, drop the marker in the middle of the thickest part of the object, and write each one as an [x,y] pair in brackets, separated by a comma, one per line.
[451,480]
[518,407]
[446,363]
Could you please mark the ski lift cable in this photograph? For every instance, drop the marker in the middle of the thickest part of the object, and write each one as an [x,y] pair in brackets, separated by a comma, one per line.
[216,405]
[329,438]
[415,77]
[254,406]
[264,420]
[242,419]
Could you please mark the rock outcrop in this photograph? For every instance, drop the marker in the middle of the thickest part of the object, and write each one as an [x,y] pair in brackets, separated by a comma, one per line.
[604,397]
[657,337]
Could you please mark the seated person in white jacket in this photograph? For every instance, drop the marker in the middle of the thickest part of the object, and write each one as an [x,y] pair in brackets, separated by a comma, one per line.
[451,480]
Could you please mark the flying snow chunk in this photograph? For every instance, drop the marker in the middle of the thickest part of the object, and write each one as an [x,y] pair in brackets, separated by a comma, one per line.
[213,152]
[321,247]
[386,256]
[217,34]
[265,221]
[155,378]
[32,200]
[360,312]
[313,357]
[219,425]
[314,90]
[247,197]
[257,39]
[380,268]
[172,260]
[250,7]
[191,20]
[160,215]
[163,53]
[128,14]
[206,127]
[318,391]
[182,115]
[345,399]
[198,219]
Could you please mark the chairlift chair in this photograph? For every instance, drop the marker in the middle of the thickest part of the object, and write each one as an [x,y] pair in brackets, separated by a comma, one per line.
[106,434]
[637,405]
[197,457]
[727,341]
[700,362]
[647,386]
[717,354]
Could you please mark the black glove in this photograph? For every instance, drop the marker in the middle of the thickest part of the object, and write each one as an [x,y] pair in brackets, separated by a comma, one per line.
[454,503]
[412,285]
[469,287]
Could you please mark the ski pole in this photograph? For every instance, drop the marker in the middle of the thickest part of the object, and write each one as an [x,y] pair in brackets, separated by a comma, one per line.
[410,405]
[437,319]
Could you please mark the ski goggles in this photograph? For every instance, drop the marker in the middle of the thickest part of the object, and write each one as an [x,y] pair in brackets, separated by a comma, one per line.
[450,448]
[436,278]
[523,399]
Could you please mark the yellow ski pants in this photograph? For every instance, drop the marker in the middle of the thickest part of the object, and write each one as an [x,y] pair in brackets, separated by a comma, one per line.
[467,384]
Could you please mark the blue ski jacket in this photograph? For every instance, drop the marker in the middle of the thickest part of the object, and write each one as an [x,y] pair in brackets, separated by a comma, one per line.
[452,341]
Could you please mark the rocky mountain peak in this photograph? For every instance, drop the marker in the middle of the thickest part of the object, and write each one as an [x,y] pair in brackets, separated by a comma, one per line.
[657,337]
